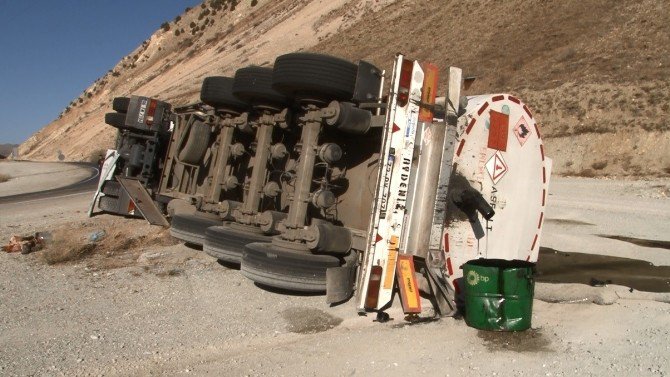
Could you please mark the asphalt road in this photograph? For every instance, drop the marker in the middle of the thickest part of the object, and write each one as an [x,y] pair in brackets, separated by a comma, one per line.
[85,185]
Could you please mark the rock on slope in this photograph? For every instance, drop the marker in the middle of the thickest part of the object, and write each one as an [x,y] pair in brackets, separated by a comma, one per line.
[595,72]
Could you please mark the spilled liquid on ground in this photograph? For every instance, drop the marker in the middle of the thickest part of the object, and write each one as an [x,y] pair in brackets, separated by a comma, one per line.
[532,340]
[556,266]
[567,222]
[640,241]
[309,320]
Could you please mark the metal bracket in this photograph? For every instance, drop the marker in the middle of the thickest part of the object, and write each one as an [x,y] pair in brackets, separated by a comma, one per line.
[441,293]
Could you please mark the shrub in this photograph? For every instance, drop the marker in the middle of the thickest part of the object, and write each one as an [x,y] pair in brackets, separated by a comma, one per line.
[96,154]
[56,254]
[178,18]
[66,247]
[599,165]
[165,26]
[4,178]
[589,173]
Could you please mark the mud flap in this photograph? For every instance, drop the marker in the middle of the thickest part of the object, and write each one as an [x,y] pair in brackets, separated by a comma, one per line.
[340,282]
[143,202]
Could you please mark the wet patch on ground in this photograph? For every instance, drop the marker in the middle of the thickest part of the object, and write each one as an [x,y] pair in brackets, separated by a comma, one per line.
[556,266]
[567,222]
[532,340]
[286,292]
[639,241]
[408,321]
[170,272]
[309,320]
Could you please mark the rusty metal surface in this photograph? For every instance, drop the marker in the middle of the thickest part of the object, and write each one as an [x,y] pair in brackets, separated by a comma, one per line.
[143,201]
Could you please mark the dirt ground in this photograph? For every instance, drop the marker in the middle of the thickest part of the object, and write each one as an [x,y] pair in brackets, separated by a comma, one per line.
[138,303]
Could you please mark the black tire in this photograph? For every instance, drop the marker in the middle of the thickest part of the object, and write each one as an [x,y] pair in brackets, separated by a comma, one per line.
[306,75]
[266,264]
[254,86]
[120,104]
[117,120]
[217,92]
[111,188]
[227,244]
[196,144]
[109,204]
[191,228]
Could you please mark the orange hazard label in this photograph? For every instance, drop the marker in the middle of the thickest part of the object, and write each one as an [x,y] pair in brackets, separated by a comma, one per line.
[390,263]
[499,127]
[428,91]
[409,291]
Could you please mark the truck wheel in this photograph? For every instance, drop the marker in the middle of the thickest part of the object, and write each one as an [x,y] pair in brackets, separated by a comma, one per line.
[109,204]
[111,188]
[120,104]
[117,120]
[316,76]
[217,91]
[227,244]
[254,85]
[191,228]
[269,265]
[196,144]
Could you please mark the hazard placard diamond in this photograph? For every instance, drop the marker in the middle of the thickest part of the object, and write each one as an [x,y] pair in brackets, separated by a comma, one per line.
[496,167]
[522,131]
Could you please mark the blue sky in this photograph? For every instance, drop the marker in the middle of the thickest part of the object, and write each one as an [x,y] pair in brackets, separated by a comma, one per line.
[50,51]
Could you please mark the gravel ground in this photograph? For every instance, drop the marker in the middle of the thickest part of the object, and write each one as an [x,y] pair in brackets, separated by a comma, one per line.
[176,311]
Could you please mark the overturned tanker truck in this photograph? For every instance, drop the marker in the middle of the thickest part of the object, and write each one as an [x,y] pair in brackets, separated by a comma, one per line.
[313,177]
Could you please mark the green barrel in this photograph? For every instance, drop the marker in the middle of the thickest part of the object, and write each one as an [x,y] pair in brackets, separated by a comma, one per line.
[498,294]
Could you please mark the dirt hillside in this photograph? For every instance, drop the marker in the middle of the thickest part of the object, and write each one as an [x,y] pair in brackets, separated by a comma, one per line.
[595,72]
